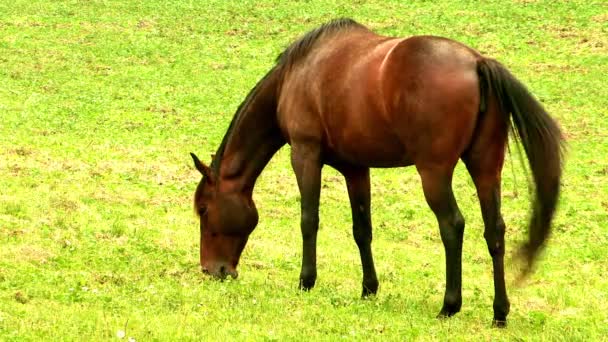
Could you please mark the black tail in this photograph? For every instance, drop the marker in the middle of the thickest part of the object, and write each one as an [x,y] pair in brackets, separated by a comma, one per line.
[542,141]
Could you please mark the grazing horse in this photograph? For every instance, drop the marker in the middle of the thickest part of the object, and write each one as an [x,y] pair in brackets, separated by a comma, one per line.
[344,96]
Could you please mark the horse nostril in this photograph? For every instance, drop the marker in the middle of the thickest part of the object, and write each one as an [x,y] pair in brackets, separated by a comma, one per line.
[222,271]
[234,274]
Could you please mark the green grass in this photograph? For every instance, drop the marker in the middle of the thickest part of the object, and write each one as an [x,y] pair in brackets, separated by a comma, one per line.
[101,102]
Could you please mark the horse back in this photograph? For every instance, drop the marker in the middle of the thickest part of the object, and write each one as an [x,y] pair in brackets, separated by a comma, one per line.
[383,102]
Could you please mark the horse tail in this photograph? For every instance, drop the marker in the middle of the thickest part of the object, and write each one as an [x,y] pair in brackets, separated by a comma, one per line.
[543,144]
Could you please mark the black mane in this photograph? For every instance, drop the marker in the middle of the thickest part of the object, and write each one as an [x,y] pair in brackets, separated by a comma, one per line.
[294,52]
[215,163]
[301,47]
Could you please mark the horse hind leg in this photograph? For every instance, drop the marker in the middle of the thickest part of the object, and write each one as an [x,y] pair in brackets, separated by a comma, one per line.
[484,161]
[437,186]
[485,173]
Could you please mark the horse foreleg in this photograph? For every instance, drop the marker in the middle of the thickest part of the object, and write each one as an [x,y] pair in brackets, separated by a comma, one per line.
[306,163]
[358,184]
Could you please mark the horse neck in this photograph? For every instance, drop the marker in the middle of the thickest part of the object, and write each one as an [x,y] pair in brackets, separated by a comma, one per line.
[253,140]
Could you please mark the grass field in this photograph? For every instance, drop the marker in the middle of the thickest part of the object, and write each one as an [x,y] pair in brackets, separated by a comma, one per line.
[101,102]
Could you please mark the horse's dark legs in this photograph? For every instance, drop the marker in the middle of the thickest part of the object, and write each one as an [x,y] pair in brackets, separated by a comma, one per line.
[484,162]
[494,233]
[437,185]
[357,182]
[306,163]
[495,238]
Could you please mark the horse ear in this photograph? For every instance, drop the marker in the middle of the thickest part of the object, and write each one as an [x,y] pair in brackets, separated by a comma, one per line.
[202,168]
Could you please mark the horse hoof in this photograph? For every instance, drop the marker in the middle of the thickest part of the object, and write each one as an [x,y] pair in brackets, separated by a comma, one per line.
[496,323]
[444,315]
[366,293]
[449,310]
[306,285]
[369,291]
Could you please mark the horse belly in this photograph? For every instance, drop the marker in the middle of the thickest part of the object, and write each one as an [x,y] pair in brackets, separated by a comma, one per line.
[367,148]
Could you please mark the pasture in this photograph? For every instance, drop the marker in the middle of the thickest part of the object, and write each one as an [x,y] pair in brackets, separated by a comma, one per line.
[102,101]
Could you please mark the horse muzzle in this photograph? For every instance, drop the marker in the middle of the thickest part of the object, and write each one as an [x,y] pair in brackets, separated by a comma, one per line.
[220,271]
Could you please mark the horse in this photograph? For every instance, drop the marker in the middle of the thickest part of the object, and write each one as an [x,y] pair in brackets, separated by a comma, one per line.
[344,96]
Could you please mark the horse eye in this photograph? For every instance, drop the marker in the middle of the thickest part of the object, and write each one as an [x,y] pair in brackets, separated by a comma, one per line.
[202,211]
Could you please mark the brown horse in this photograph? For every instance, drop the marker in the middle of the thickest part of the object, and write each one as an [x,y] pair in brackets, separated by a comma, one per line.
[344,96]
